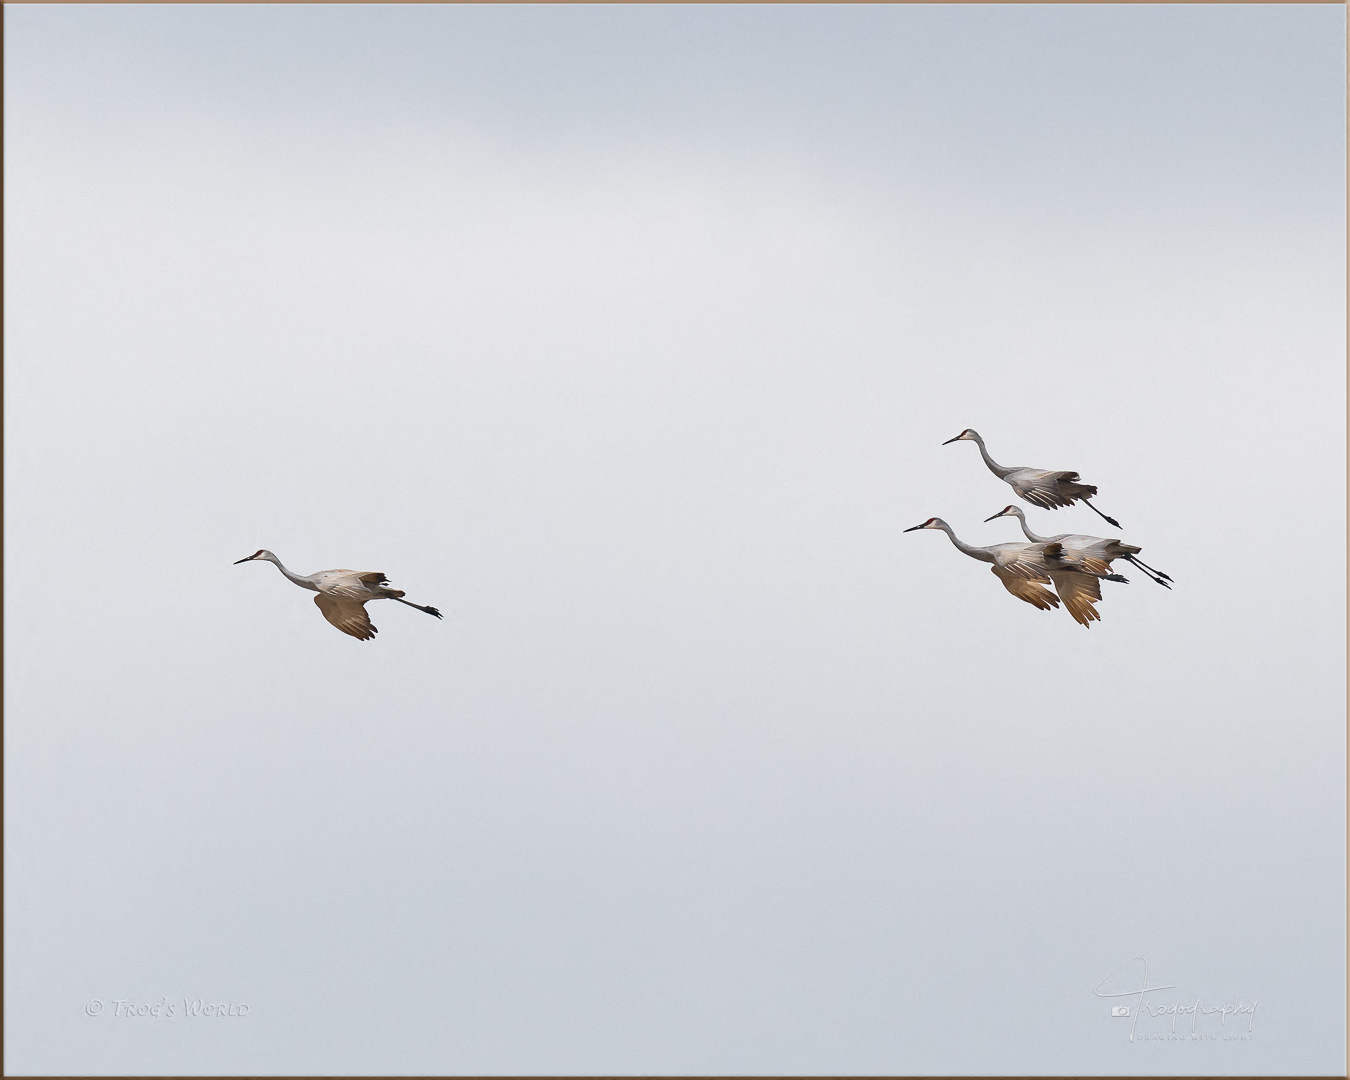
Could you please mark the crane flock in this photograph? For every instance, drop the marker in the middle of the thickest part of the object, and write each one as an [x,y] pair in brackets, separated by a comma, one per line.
[1075,564]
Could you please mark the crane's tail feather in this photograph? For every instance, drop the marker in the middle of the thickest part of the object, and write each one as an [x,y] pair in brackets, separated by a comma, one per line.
[1071,488]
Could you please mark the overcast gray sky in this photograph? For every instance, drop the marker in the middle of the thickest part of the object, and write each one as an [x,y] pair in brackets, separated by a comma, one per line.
[627,336]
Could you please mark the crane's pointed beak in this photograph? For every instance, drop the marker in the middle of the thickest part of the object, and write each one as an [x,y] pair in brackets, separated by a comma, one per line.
[915,527]
[248,558]
[952,439]
[992,516]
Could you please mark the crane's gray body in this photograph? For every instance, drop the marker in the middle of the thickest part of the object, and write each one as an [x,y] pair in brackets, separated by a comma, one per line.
[1046,488]
[1099,548]
[343,594]
[1095,552]
[1025,568]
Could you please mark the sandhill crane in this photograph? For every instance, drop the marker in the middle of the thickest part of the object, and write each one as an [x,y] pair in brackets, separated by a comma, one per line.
[1025,568]
[1095,552]
[343,594]
[1039,487]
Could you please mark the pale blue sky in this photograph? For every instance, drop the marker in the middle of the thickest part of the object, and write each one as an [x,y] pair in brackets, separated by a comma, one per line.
[627,336]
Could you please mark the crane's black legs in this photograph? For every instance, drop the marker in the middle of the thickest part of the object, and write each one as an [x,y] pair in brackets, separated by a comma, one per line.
[1108,520]
[1147,567]
[1153,575]
[419,607]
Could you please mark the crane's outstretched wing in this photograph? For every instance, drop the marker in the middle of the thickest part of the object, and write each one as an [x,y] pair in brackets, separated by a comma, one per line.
[1050,490]
[347,614]
[1079,593]
[1092,564]
[1025,560]
[1025,587]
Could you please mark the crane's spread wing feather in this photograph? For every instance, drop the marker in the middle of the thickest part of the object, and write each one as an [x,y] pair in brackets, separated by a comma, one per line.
[341,583]
[1021,560]
[1094,565]
[1050,490]
[1092,551]
[346,613]
[1026,588]
[373,577]
[1041,489]
[1080,592]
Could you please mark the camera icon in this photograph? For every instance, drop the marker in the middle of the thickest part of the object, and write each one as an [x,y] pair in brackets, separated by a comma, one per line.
[1120,1010]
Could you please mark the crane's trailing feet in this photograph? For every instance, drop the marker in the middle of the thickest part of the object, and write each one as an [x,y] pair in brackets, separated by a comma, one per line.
[343,594]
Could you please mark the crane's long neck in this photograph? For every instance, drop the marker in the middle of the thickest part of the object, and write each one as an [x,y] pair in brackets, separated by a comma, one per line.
[1026,529]
[994,467]
[961,545]
[304,583]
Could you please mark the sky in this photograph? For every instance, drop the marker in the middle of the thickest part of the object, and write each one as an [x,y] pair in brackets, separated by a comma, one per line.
[628,337]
